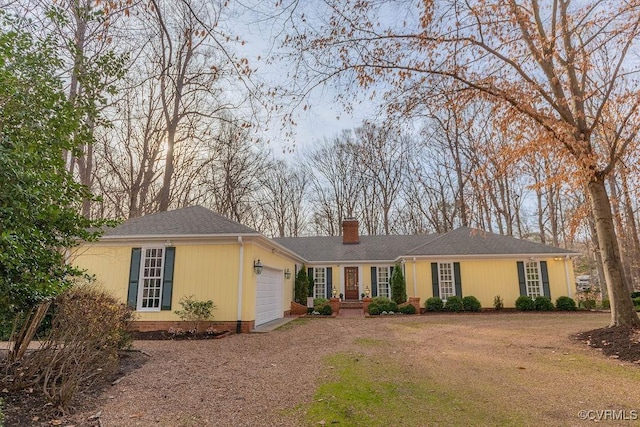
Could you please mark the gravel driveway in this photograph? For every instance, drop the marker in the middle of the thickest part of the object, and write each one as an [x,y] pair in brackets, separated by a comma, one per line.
[242,380]
[264,379]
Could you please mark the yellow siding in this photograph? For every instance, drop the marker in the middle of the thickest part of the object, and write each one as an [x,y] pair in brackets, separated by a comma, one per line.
[364,276]
[205,271]
[270,259]
[110,265]
[208,272]
[487,278]
[211,271]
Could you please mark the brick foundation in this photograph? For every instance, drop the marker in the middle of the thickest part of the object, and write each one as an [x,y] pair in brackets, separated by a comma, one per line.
[414,301]
[365,304]
[298,309]
[159,325]
[335,305]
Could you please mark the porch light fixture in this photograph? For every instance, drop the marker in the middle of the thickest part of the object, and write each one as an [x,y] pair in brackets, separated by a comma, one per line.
[367,291]
[287,274]
[334,292]
[257,267]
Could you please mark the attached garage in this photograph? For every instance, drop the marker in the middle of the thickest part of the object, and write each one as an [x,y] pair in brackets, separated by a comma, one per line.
[269,287]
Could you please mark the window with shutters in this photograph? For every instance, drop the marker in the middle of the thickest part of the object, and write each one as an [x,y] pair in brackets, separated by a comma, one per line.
[446,280]
[151,270]
[384,290]
[320,282]
[532,274]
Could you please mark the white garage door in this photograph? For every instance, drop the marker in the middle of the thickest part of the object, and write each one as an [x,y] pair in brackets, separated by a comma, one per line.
[269,296]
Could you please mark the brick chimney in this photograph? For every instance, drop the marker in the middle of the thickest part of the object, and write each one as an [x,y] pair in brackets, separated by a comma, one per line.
[350,232]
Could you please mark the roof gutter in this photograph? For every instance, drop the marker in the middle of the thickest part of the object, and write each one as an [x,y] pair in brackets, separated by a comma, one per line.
[496,256]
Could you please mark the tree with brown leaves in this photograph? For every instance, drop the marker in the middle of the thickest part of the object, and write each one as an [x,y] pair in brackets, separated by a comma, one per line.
[563,67]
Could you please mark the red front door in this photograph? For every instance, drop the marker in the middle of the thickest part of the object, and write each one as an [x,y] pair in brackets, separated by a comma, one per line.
[351,283]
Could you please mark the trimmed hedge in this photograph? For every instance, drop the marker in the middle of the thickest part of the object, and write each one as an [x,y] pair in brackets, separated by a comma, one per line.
[454,303]
[543,304]
[326,310]
[434,304]
[471,303]
[408,309]
[385,304]
[565,303]
[525,303]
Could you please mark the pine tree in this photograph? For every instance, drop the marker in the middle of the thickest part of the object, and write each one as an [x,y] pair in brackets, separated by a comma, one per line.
[398,285]
[302,286]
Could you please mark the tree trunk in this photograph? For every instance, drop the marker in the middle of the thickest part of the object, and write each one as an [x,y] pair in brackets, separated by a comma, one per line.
[622,310]
[632,228]
[165,191]
[620,230]
[602,283]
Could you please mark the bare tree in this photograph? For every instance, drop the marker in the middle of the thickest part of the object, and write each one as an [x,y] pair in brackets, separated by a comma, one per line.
[336,182]
[563,66]
[284,189]
[382,152]
[234,174]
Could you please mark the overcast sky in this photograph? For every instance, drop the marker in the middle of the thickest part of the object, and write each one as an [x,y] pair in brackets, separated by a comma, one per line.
[324,119]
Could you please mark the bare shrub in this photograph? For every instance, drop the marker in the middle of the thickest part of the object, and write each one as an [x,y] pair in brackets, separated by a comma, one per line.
[88,328]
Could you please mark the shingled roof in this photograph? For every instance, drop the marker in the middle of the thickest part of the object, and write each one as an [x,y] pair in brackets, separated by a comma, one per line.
[471,241]
[370,248]
[190,221]
[464,241]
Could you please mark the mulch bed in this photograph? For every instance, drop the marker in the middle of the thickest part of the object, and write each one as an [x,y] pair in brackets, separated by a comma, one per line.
[30,408]
[165,335]
[619,342]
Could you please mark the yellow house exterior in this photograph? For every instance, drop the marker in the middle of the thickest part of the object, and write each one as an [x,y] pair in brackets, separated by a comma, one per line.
[155,261]
[211,264]
[462,262]
[486,278]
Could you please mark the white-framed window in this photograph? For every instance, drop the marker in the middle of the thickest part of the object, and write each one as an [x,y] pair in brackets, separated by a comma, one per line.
[384,277]
[533,278]
[320,282]
[446,280]
[151,271]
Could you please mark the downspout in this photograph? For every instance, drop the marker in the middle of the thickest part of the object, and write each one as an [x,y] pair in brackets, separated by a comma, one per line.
[240,270]
[415,285]
[566,276]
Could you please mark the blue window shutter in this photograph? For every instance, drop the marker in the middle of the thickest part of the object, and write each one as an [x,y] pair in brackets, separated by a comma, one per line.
[545,279]
[134,277]
[374,282]
[457,279]
[522,281]
[167,282]
[329,280]
[434,279]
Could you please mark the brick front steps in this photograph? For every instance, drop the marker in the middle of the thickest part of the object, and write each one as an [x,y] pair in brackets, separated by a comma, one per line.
[351,304]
